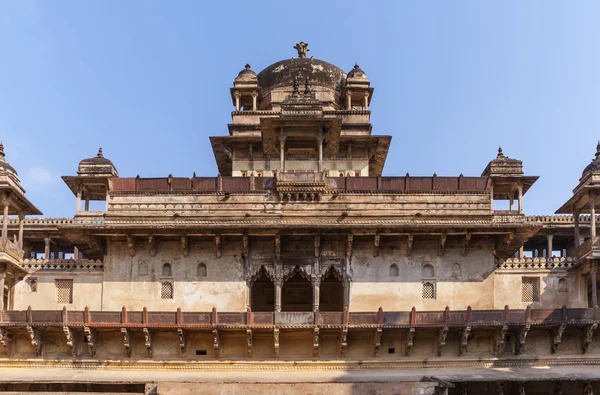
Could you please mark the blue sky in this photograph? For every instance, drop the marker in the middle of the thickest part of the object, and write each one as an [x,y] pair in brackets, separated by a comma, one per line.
[149,82]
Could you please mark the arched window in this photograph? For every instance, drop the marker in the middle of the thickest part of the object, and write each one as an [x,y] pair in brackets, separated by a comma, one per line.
[428,271]
[166,290]
[166,270]
[563,285]
[201,271]
[394,270]
[143,269]
[428,290]
[341,174]
[456,272]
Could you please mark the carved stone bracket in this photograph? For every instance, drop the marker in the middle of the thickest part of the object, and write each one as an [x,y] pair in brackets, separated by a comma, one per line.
[215,333]
[36,339]
[557,336]
[349,243]
[409,244]
[315,342]
[182,341]
[249,342]
[127,340]
[465,333]
[152,245]
[442,340]
[344,342]
[131,245]
[588,335]
[90,337]
[442,245]
[148,341]
[317,246]
[71,343]
[522,389]
[276,341]
[522,337]
[465,245]
[377,343]
[185,246]
[218,246]
[499,388]
[410,336]
[376,241]
[587,389]
[245,245]
[500,339]
[278,246]
[5,340]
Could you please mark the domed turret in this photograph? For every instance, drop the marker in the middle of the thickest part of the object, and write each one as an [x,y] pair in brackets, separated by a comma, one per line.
[245,92]
[594,166]
[5,168]
[98,166]
[358,91]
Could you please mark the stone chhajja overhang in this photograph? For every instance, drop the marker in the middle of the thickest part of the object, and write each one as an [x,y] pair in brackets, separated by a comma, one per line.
[463,323]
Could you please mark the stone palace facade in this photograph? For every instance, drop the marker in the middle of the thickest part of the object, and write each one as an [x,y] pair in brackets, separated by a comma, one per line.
[301,256]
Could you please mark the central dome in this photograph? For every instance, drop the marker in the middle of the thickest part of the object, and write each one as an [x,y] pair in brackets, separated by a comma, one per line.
[283,73]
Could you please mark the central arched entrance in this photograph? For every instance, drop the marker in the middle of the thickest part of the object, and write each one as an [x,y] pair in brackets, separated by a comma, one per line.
[297,293]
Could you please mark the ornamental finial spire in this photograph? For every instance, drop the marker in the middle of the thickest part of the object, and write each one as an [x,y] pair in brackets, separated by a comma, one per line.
[597,150]
[500,153]
[302,49]
[2,151]
[100,155]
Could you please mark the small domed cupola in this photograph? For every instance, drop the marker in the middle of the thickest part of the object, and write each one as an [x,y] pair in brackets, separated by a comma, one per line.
[5,168]
[245,93]
[594,167]
[98,166]
[357,90]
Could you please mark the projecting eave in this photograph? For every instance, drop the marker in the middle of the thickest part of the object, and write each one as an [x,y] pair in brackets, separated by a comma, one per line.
[19,203]
[223,150]
[503,185]
[96,186]
[381,146]
[580,200]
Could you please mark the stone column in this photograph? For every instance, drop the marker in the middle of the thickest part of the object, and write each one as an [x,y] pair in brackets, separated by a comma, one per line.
[492,198]
[521,252]
[520,189]
[549,247]
[47,247]
[282,138]
[5,220]
[320,143]
[316,283]
[21,224]
[576,221]
[593,215]
[254,99]
[237,96]
[2,279]
[87,203]
[593,270]
[348,100]
[511,199]
[78,204]
[366,106]
[75,253]
[278,285]
[346,283]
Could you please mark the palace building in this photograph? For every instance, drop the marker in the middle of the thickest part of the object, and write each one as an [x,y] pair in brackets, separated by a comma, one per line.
[300,268]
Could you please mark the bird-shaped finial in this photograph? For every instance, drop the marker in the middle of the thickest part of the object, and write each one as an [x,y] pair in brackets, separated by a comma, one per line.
[100,155]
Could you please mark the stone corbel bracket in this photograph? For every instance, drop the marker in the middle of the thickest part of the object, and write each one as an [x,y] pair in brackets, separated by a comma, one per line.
[71,343]
[215,333]
[522,337]
[377,342]
[148,341]
[131,245]
[465,244]
[36,339]
[185,246]
[278,246]
[6,340]
[90,336]
[557,336]
[588,335]
[276,341]
[465,333]
[410,336]
[249,342]
[127,340]
[500,339]
[182,341]
[344,342]
[442,246]
[376,241]
[152,245]
[218,246]
[409,244]
[316,339]
[442,334]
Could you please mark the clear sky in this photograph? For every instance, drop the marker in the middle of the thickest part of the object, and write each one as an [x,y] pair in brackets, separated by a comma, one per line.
[149,82]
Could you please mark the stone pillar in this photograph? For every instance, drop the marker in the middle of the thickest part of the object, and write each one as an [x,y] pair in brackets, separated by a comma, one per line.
[349,100]
[78,204]
[316,283]
[237,96]
[47,247]
[278,285]
[2,279]
[282,138]
[254,99]
[87,203]
[577,240]
[593,215]
[593,270]
[320,143]
[521,252]
[511,199]
[366,106]
[492,198]
[21,224]
[549,247]
[346,283]
[5,219]
[75,253]
[520,189]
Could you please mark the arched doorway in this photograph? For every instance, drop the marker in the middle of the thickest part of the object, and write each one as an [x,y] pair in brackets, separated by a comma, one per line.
[297,293]
[262,293]
[331,294]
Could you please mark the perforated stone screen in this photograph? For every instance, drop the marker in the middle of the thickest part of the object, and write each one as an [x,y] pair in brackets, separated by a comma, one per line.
[64,291]
[166,290]
[428,290]
[530,290]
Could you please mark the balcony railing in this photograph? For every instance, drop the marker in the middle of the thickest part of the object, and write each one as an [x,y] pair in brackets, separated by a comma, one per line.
[588,248]
[536,263]
[11,249]
[63,264]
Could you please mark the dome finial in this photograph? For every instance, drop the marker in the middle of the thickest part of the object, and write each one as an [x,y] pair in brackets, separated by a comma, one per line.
[302,49]
[356,66]
[597,150]
[100,155]
[500,153]
[2,151]
[247,66]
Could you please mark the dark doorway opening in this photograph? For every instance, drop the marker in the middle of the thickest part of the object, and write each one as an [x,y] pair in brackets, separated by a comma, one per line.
[297,294]
[262,293]
[331,295]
